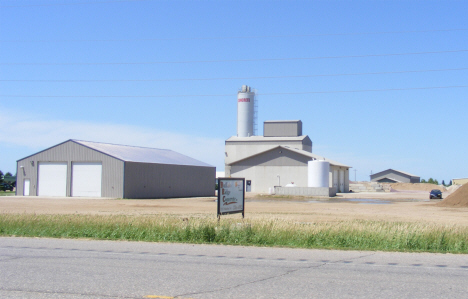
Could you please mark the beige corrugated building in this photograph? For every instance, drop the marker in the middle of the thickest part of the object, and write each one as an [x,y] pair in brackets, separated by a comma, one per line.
[278,158]
[93,169]
[459,181]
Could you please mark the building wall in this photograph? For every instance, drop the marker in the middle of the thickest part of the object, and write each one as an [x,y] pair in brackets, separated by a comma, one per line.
[112,169]
[263,171]
[332,173]
[282,128]
[459,181]
[144,180]
[415,179]
[265,177]
[236,150]
[387,180]
[394,175]
[306,191]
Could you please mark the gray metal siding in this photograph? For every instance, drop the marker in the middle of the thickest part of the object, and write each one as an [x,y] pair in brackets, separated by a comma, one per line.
[112,169]
[282,129]
[236,150]
[415,179]
[263,170]
[276,157]
[307,144]
[164,181]
[391,174]
[265,177]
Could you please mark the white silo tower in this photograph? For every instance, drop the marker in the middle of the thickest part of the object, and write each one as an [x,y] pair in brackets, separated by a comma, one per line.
[245,111]
[318,173]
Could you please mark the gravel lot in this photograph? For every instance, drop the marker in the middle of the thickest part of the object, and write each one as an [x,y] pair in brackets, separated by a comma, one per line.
[400,206]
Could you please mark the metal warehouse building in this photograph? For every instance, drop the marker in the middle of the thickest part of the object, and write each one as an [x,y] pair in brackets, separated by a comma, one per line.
[83,168]
[394,176]
[282,157]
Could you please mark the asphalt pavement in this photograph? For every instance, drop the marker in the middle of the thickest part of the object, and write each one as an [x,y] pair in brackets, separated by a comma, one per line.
[62,268]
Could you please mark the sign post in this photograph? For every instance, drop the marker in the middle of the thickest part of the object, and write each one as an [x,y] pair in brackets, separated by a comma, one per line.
[231,196]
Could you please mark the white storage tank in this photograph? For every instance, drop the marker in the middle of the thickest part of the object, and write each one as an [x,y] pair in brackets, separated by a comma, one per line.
[245,112]
[318,173]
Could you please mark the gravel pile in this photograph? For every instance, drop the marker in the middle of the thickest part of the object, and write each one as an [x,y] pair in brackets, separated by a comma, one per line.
[459,198]
[416,187]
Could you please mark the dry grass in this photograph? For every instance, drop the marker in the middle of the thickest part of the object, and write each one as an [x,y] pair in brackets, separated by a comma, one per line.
[267,231]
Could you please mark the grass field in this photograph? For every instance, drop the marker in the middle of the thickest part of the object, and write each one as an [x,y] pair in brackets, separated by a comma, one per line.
[7,193]
[351,235]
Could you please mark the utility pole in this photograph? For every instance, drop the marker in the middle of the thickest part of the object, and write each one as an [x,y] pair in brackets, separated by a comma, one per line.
[355,175]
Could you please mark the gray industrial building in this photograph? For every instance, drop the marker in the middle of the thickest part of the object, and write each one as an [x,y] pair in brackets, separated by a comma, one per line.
[279,158]
[394,176]
[281,165]
[83,168]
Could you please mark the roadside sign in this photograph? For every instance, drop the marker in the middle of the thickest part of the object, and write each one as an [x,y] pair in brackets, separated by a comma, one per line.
[231,196]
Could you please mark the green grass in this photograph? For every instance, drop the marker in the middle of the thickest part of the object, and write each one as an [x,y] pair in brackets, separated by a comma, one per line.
[7,193]
[351,235]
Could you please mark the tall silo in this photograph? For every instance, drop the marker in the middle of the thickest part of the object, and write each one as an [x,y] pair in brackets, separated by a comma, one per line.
[245,111]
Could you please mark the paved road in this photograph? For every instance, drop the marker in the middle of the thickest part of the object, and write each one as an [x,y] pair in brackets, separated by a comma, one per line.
[55,268]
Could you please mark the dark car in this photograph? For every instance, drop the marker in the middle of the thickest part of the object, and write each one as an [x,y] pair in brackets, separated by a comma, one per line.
[435,193]
[6,187]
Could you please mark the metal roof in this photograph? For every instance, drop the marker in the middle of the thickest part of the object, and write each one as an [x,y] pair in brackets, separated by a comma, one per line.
[301,152]
[263,138]
[403,172]
[283,121]
[141,154]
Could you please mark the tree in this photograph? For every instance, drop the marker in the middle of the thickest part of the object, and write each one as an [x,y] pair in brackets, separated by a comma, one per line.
[450,183]
[423,181]
[443,182]
[436,182]
[1,176]
[8,174]
[430,181]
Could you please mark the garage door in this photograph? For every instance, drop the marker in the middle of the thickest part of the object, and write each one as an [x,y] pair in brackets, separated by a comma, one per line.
[341,180]
[52,179]
[86,179]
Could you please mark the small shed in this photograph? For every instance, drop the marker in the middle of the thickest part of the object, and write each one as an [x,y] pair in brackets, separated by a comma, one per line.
[394,176]
[92,169]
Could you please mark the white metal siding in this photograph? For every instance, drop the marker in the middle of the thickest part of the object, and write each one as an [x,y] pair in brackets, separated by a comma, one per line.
[86,179]
[112,168]
[52,179]
[342,182]
[335,179]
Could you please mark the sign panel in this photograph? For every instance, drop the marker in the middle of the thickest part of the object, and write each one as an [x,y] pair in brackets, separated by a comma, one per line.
[231,196]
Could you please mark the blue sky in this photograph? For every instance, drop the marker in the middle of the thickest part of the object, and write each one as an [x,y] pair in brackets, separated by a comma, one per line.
[377,84]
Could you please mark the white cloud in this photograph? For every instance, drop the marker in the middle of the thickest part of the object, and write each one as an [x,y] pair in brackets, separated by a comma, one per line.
[29,131]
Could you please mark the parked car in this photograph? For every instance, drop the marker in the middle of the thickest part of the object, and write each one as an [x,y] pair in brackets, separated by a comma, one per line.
[6,187]
[435,193]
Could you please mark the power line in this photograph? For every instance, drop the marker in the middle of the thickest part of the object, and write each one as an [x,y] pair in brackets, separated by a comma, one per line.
[230,95]
[232,37]
[232,78]
[232,60]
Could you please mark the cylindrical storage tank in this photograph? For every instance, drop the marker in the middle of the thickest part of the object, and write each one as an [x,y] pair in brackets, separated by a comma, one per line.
[245,112]
[318,173]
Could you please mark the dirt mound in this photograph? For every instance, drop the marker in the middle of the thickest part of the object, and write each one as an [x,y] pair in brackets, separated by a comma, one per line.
[453,188]
[416,187]
[459,198]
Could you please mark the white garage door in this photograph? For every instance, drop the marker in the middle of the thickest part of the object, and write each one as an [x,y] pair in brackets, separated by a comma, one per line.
[52,179]
[335,180]
[341,180]
[86,179]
